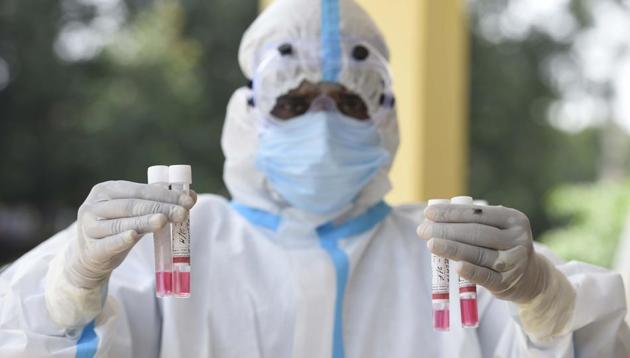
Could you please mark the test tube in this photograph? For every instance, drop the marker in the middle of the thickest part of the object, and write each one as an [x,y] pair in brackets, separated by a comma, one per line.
[180,178]
[467,289]
[440,286]
[158,175]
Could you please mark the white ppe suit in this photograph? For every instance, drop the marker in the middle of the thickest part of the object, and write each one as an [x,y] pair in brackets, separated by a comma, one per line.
[269,280]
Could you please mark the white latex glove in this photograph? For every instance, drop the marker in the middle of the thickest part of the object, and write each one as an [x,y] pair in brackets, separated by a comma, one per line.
[494,247]
[115,215]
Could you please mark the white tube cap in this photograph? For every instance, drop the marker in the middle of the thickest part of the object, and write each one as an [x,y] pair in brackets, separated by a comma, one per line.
[480,202]
[462,200]
[438,201]
[157,174]
[180,174]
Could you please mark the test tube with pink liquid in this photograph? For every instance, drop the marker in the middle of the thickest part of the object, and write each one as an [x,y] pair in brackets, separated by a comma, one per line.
[180,179]
[440,286]
[467,289]
[158,175]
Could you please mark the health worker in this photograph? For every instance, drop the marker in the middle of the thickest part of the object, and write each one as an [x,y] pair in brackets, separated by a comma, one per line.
[307,259]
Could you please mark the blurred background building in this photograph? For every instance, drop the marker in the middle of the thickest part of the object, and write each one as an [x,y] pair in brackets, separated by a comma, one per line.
[524,103]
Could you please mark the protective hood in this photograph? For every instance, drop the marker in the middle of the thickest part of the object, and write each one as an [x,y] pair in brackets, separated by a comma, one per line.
[297,20]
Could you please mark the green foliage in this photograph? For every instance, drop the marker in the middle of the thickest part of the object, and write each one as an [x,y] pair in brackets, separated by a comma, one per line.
[516,155]
[152,101]
[595,215]
[155,94]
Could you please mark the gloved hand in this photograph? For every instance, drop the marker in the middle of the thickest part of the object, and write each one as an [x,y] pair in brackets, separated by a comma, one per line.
[110,222]
[494,248]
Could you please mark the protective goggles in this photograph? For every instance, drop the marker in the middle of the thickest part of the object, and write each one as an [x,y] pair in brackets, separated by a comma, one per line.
[311,97]
[292,79]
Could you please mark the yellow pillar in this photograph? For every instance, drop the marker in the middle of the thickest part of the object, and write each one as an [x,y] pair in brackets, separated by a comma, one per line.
[428,46]
[429,58]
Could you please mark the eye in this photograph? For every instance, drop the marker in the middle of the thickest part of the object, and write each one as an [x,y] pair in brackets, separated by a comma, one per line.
[353,106]
[288,106]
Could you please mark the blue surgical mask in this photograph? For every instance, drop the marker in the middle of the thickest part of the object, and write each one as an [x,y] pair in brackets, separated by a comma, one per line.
[320,161]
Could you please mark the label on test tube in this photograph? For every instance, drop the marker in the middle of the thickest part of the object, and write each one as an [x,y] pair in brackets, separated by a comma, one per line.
[181,242]
[440,279]
[440,286]
[467,289]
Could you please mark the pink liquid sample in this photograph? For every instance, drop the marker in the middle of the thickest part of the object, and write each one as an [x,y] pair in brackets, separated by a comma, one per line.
[441,320]
[470,316]
[181,282]
[163,283]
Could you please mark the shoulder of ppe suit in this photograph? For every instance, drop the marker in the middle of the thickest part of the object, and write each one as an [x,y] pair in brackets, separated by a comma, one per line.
[576,269]
[210,206]
[210,201]
[407,218]
[545,251]
[22,283]
[411,212]
[41,255]
[569,267]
